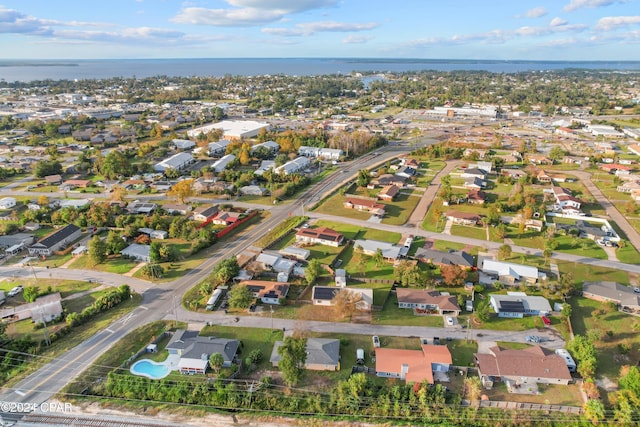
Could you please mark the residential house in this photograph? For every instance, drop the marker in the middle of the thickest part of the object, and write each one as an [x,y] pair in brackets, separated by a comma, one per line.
[481,174]
[616,168]
[179,161]
[518,368]
[218,148]
[634,148]
[424,301]
[296,165]
[389,179]
[405,171]
[205,213]
[275,263]
[538,159]
[177,208]
[565,200]
[325,295]
[294,252]
[607,291]
[195,350]
[71,184]
[412,163]
[414,366]
[463,218]
[137,208]
[222,163]
[321,153]
[265,165]
[439,258]
[253,190]
[323,354]
[267,292]
[367,205]
[390,252]
[226,218]
[628,186]
[510,273]
[270,147]
[138,252]
[475,183]
[56,240]
[44,309]
[319,236]
[389,192]
[53,179]
[519,304]
[183,144]
[154,234]
[514,174]
[7,203]
[476,197]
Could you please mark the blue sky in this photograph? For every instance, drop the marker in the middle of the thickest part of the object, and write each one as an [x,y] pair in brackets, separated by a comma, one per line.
[456,29]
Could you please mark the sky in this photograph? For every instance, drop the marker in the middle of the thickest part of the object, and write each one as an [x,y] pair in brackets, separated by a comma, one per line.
[436,29]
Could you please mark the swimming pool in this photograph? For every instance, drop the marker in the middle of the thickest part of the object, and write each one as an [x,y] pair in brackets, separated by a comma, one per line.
[150,369]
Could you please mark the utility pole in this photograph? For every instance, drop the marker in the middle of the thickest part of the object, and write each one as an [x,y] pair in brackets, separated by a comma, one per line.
[46,331]
[175,309]
[271,307]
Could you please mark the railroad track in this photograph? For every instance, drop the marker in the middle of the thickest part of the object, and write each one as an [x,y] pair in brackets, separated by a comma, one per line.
[77,421]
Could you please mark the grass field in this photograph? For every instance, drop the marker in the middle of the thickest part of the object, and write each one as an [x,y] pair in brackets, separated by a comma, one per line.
[479,233]
[399,211]
[615,331]
[392,315]
[113,264]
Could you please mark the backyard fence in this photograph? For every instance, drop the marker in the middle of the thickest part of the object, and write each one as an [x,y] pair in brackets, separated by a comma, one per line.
[143,350]
[530,406]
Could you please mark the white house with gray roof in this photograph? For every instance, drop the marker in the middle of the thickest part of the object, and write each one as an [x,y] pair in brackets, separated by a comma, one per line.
[519,304]
[222,163]
[390,252]
[293,166]
[323,354]
[510,273]
[178,161]
[194,350]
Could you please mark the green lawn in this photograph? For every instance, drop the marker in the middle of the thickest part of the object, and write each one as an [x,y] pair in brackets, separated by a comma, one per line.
[251,338]
[462,352]
[380,291]
[334,206]
[399,211]
[628,254]
[479,233]
[548,394]
[614,329]
[583,247]
[392,315]
[114,264]
[351,263]
[65,287]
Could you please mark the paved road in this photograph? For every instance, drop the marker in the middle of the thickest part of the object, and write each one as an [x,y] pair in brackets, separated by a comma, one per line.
[610,209]
[160,300]
[418,214]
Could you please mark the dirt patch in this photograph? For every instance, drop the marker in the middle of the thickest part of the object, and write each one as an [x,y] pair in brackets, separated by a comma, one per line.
[606,384]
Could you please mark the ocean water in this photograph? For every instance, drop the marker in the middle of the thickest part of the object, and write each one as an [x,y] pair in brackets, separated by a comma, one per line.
[29,70]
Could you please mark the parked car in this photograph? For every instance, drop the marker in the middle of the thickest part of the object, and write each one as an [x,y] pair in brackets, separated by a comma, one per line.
[15,291]
[533,339]
[636,290]
[546,320]
[449,320]
[376,341]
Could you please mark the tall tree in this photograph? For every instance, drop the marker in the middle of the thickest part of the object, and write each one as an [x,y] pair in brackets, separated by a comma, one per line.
[182,190]
[97,250]
[216,361]
[240,297]
[453,275]
[313,271]
[293,355]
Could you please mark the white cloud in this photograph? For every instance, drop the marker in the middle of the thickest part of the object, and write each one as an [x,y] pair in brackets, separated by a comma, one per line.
[591,4]
[356,39]
[310,28]
[556,22]
[248,12]
[536,12]
[285,6]
[609,23]
[227,17]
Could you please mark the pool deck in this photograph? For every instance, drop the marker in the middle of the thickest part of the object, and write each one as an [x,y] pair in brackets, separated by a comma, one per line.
[170,362]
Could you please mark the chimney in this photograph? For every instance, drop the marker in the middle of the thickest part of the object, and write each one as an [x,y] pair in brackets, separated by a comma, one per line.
[404,370]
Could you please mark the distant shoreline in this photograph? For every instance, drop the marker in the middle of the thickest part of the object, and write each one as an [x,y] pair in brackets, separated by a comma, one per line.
[25,70]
